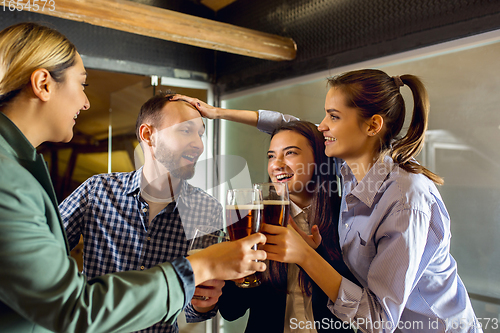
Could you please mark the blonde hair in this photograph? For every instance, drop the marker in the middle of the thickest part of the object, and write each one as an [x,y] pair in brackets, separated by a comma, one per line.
[373,92]
[26,47]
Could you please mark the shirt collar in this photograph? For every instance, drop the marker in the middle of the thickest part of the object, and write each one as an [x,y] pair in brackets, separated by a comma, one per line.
[185,194]
[296,210]
[133,186]
[372,183]
[21,147]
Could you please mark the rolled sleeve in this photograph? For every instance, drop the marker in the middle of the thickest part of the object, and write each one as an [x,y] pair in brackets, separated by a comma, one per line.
[183,268]
[193,316]
[348,300]
[269,120]
[73,209]
[184,271]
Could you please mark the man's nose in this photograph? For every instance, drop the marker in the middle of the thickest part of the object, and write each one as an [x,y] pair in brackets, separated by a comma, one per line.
[197,142]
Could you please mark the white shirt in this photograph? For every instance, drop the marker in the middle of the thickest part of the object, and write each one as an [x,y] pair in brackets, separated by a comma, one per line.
[156,205]
[298,304]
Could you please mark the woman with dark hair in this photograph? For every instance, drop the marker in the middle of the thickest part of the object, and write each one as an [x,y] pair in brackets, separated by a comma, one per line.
[288,300]
[394,230]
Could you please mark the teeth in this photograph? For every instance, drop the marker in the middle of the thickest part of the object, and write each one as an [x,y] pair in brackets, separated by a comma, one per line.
[330,139]
[284,176]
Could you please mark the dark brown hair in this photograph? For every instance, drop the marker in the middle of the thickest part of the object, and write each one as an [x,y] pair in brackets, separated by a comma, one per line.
[151,111]
[373,92]
[325,205]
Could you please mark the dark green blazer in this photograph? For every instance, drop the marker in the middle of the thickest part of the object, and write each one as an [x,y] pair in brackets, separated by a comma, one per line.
[41,289]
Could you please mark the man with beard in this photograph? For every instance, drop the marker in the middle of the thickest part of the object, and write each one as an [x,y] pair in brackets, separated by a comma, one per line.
[136,220]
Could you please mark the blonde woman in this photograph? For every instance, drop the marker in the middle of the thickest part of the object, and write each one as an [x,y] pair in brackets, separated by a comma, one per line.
[42,82]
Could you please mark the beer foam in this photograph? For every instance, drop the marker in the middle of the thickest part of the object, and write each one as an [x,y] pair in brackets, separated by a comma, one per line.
[191,252]
[275,202]
[244,207]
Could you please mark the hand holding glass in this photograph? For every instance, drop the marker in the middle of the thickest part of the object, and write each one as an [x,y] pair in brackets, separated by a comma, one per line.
[204,237]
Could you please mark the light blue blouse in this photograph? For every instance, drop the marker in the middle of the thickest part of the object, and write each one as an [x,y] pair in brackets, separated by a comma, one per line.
[395,238]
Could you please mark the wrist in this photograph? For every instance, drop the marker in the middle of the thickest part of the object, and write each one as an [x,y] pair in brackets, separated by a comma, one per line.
[200,309]
[221,113]
[200,271]
[307,258]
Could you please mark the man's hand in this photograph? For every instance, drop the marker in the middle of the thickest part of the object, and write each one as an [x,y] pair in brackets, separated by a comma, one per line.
[207,295]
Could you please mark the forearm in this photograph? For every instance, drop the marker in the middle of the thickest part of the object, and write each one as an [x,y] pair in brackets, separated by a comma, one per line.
[322,273]
[291,245]
[270,119]
[61,299]
[240,116]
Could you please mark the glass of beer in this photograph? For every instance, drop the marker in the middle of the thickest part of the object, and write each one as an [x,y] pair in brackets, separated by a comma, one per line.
[243,218]
[276,203]
[204,237]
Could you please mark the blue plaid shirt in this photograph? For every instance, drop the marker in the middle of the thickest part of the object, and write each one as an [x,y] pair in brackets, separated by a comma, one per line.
[109,212]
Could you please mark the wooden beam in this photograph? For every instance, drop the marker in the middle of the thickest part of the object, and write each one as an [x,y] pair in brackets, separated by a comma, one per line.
[215,5]
[176,27]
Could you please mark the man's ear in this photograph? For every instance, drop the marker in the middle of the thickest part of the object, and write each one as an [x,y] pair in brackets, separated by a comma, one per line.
[146,134]
[42,84]
[375,124]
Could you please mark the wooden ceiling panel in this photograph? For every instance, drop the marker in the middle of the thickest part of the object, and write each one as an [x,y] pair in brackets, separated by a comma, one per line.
[177,27]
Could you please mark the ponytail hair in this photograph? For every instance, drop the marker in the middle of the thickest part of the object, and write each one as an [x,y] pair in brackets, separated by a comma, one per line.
[372,92]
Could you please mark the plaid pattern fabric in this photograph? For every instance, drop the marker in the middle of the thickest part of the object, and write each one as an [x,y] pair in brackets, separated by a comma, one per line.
[109,212]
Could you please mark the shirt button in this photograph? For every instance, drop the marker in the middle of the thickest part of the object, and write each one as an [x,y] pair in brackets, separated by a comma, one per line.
[149,238]
[144,210]
[346,225]
[142,268]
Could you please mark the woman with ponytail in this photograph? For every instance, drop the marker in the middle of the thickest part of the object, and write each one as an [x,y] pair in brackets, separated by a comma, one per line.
[393,228]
